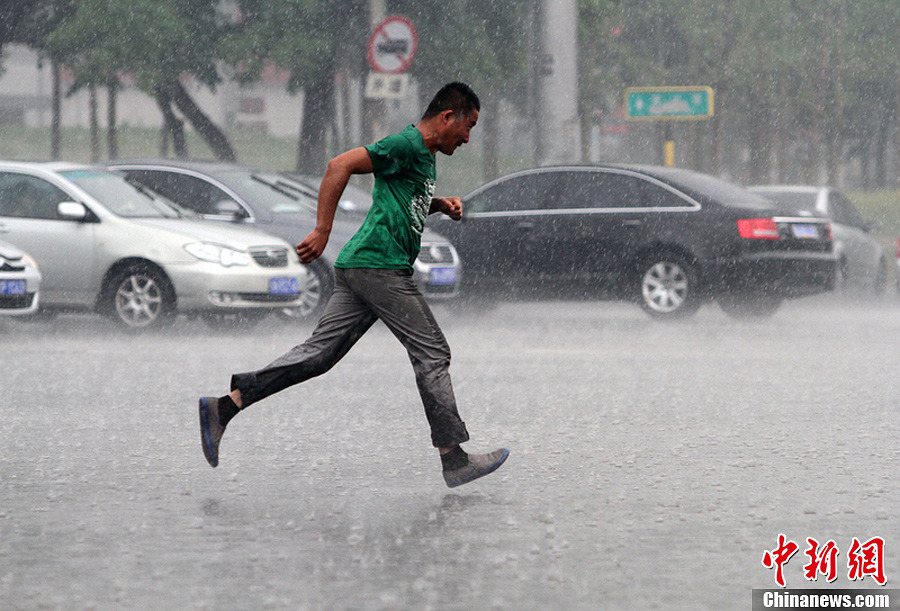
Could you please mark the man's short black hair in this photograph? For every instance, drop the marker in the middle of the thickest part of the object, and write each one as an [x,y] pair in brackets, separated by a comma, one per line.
[457,97]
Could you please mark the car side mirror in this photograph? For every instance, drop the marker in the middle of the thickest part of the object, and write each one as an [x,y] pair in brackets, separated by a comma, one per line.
[229,207]
[72,211]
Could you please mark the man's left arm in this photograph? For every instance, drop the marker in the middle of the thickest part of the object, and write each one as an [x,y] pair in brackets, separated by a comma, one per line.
[451,206]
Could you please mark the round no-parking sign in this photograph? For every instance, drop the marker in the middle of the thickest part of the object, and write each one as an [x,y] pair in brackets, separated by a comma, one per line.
[392,45]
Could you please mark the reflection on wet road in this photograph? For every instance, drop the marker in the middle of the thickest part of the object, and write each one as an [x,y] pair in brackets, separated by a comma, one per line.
[652,464]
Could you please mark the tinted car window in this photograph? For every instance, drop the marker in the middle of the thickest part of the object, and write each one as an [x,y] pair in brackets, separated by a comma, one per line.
[843,211]
[598,190]
[519,193]
[588,189]
[29,197]
[703,186]
[188,191]
[270,190]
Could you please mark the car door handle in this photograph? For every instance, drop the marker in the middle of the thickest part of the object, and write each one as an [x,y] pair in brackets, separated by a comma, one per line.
[525,226]
[632,222]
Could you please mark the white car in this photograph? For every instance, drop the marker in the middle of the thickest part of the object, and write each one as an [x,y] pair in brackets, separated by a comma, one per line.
[862,263]
[20,282]
[105,244]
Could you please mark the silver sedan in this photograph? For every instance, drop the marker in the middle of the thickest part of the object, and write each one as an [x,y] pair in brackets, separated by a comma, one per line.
[107,245]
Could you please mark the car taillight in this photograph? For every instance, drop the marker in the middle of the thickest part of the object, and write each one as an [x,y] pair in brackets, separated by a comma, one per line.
[898,249]
[758,229]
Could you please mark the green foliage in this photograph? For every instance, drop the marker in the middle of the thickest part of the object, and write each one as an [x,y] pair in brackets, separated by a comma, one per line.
[823,72]
[308,38]
[156,41]
[881,207]
[484,44]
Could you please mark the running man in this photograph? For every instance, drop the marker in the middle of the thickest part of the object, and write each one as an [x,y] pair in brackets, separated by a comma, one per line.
[373,280]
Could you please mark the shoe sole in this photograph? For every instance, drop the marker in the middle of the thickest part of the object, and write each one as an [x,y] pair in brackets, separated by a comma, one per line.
[493,468]
[205,435]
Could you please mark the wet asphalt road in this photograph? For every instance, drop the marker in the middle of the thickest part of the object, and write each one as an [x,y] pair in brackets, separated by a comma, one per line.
[651,466]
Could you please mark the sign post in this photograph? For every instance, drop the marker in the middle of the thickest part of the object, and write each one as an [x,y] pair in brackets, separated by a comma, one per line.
[392,47]
[669,104]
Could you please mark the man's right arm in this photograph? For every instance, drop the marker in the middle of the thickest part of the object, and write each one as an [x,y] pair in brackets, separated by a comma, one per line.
[354,161]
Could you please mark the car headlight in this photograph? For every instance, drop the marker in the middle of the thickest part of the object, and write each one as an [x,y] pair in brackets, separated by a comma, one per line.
[216,253]
[29,260]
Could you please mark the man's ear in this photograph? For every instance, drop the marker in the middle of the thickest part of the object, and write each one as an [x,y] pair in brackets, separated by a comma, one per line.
[447,116]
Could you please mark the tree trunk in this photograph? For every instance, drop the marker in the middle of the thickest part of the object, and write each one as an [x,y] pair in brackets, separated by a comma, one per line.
[56,104]
[782,137]
[173,127]
[759,148]
[490,159]
[882,141]
[94,124]
[716,153]
[318,102]
[896,114]
[112,135]
[208,130]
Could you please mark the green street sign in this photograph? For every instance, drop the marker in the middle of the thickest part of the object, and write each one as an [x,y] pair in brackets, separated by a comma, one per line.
[668,103]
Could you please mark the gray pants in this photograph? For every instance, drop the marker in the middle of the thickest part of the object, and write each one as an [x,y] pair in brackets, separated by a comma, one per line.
[362,296]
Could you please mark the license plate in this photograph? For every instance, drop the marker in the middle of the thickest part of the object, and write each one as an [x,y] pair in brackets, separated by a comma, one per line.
[283,286]
[443,275]
[803,230]
[12,287]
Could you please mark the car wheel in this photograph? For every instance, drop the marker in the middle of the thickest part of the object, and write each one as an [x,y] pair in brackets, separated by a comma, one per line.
[667,287]
[749,306]
[841,281]
[226,321]
[316,293]
[140,297]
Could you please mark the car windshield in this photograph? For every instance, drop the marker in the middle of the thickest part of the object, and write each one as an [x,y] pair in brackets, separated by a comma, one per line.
[355,200]
[122,197]
[796,201]
[274,192]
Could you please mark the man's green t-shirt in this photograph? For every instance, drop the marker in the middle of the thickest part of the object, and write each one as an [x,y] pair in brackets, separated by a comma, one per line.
[391,235]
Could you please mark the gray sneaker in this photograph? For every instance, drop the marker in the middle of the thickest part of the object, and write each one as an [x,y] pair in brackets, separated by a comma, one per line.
[210,429]
[479,465]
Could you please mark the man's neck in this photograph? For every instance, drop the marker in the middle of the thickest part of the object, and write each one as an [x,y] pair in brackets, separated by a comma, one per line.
[430,134]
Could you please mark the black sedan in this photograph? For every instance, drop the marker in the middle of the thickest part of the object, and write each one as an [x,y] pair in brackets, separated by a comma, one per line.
[668,238]
[286,208]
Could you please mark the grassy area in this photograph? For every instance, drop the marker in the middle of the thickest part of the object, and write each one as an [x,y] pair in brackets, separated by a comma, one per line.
[456,176]
[34,144]
[882,208]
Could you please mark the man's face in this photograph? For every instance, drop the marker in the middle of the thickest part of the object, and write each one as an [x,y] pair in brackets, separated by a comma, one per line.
[456,131]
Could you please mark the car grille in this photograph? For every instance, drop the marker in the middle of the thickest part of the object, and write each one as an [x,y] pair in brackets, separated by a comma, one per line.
[274,256]
[436,253]
[16,302]
[11,266]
